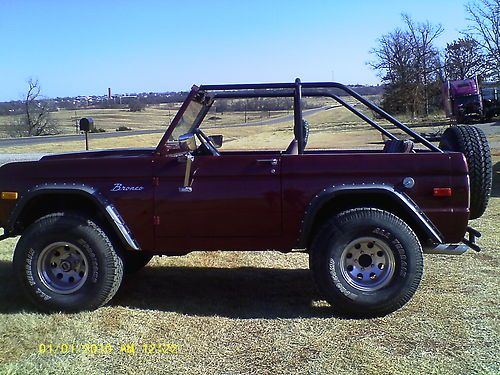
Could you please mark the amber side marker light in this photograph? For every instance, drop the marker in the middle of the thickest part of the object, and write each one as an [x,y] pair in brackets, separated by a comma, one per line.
[10,195]
[442,192]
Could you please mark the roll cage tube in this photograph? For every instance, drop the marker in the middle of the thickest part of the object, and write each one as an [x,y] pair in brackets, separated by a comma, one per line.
[355,111]
[297,116]
[377,109]
[230,91]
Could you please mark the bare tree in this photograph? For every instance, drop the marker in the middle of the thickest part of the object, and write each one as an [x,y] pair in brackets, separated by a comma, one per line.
[422,36]
[35,119]
[408,63]
[484,17]
[394,63]
[464,58]
[393,56]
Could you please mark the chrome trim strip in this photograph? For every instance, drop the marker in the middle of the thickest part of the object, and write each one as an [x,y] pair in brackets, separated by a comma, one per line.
[113,214]
[447,249]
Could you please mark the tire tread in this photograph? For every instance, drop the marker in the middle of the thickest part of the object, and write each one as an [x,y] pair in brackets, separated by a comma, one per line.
[332,228]
[113,263]
[472,142]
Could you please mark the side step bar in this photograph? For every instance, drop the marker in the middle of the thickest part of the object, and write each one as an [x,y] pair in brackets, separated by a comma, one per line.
[459,249]
[471,241]
[447,249]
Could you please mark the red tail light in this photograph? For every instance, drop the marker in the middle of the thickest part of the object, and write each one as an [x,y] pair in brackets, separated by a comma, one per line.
[442,192]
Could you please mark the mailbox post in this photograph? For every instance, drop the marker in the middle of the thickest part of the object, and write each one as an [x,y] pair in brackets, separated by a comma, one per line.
[86,124]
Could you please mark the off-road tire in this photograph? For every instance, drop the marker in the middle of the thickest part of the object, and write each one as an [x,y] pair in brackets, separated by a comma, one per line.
[391,239]
[305,132]
[60,247]
[134,261]
[472,142]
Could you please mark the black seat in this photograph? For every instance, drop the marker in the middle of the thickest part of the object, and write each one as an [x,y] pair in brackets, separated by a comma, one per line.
[398,146]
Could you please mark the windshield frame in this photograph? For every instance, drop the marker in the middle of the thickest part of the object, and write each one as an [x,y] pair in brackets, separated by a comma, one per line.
[195,95]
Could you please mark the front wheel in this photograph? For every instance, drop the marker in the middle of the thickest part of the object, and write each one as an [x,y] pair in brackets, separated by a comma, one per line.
[366,262]
[66,262]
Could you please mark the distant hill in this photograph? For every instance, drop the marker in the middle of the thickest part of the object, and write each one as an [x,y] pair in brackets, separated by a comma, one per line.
[102,101]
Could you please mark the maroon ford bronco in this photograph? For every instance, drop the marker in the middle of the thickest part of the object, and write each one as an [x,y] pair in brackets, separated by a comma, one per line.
[364,217]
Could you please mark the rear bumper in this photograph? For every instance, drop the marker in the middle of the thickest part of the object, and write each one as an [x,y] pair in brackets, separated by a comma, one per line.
[456,249]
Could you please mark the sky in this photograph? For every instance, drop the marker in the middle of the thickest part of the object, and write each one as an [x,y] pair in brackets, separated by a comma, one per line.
[83,47]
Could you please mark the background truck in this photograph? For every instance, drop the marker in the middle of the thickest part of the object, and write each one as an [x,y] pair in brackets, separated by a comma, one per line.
[465,100]
[491,102]
[462,99]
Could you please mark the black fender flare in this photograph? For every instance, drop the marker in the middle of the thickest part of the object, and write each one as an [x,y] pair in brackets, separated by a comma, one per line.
[113,217]
[328,194]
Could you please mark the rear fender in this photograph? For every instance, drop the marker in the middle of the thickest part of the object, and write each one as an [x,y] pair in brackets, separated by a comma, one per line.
[332,193]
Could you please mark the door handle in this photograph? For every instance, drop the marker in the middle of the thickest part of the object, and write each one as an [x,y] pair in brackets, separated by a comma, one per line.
[271,161]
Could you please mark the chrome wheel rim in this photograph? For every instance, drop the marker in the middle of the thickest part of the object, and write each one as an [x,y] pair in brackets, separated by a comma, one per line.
[367,264]
[62,267]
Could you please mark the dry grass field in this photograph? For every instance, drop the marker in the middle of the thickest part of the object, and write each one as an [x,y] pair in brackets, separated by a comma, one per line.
[154,117]
[259,313]
[109,119]
[330,125]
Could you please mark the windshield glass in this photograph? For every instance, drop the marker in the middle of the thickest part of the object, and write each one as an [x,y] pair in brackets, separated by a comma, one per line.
[188,121]
[488,94]
[465,100]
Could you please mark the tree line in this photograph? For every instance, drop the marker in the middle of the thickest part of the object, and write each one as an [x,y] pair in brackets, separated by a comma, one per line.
[413,69]
[33,112]
[407,60]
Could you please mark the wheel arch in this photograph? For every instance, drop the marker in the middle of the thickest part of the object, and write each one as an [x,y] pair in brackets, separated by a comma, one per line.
[335,199]
[48,198]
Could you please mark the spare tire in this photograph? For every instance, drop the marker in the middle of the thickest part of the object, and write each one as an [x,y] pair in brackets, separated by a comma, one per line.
[471,141]
[306,131]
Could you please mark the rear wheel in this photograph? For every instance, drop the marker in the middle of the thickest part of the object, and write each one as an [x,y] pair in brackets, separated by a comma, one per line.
[366,262]
[66,262]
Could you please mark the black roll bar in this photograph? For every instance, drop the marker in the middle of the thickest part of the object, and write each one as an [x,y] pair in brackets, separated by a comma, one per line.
[252,94]
[353,110]
[248,86]
[290,89]
[297,116]
[375,108]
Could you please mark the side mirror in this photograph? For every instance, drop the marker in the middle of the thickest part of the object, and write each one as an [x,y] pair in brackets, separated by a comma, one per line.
[216,140]
[187,142]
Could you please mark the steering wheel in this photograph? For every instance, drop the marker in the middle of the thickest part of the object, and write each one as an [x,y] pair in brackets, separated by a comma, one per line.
[206,144]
